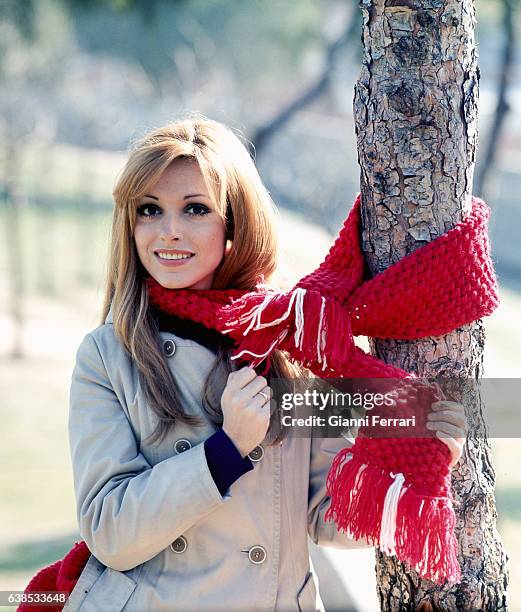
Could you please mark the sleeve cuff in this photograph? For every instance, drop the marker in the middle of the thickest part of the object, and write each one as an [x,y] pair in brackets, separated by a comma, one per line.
[224,461]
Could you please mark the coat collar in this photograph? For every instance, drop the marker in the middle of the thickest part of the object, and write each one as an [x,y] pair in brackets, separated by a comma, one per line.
[185,329]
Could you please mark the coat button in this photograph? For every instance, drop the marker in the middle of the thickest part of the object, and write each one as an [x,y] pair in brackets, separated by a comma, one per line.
[182,445]
[179,545]
[169,348]
[257,453]
[257,554]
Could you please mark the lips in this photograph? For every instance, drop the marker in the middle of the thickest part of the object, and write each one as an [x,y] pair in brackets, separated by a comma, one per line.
[173,251]
[178,255]
[174,262]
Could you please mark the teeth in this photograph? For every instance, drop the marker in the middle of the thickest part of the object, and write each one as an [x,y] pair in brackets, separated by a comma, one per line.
[173,256]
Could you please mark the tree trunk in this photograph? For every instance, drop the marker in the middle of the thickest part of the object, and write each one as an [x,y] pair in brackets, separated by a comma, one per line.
[415,112]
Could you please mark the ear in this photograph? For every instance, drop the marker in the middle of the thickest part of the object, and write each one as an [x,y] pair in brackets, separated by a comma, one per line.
[228,247]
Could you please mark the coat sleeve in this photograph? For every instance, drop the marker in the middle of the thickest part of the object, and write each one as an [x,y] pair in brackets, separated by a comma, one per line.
[127,510]
[323,451]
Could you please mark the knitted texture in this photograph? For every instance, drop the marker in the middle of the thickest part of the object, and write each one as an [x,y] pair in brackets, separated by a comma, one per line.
[61,575]
[395,491]
[437,288]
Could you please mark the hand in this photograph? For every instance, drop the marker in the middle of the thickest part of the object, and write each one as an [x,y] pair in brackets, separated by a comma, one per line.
[246,413]
[449,422]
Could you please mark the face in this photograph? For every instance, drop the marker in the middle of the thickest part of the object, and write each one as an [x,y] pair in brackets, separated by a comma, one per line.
[179,235]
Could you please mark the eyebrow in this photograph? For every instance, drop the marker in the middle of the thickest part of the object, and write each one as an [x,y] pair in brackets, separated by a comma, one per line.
[192,195]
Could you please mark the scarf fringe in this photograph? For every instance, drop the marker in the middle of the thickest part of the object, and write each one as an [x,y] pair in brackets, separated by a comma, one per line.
[301,321]
[368,502]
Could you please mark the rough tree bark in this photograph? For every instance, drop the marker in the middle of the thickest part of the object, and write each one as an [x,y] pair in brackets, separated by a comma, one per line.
[415,111]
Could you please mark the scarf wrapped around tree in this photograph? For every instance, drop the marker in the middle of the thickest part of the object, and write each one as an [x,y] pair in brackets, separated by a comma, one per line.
[394,492]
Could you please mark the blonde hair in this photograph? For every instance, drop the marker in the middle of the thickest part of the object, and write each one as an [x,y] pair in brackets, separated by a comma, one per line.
[247,209]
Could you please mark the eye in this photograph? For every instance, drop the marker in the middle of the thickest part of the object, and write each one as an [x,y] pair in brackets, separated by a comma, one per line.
[197,209]
[148,210]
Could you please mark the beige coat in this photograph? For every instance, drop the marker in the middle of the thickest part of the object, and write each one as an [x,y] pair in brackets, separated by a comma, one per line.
[161,535]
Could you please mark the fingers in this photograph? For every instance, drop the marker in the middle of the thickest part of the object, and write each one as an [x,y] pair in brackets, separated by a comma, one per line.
[448,412]
[246,381]
[447,429]
[455,407]
[247,387]
[448,420]
[252,392]
[454,446]
[241,378]
[259,384]
[246,413]
[260,401]
[266,392]
[445,416]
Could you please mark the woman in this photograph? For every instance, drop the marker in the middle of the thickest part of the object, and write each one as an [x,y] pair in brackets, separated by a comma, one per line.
[188,495]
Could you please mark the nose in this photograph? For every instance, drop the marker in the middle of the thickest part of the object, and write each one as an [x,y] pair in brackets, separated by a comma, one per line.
[171,228]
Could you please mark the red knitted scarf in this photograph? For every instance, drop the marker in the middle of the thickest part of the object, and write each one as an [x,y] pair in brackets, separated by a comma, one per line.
[394,492]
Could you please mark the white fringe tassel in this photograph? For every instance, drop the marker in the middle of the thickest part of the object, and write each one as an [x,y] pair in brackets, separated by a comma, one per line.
[297,298]
[321,337]
[299,316]
[263,356]
[388,528]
